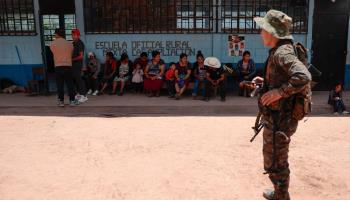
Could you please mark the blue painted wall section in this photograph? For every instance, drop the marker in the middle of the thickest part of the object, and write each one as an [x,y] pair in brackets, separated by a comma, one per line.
[173,44]
[20,74]
[347,77]
[18,56]
[347,67]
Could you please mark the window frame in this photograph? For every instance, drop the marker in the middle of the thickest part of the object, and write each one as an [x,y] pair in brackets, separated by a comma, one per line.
[258,7]
[20,6]
[167,30]
[216,17]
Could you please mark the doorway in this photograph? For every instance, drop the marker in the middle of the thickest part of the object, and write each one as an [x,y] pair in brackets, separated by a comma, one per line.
[54,14]
[329,41]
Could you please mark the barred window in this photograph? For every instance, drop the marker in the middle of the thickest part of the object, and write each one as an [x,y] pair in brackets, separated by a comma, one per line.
[194,16]
[52,22]
[237,15]
[17,17]
[148,16]
[187,16]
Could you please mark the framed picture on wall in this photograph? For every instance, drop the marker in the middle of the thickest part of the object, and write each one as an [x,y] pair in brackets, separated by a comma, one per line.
[236,45]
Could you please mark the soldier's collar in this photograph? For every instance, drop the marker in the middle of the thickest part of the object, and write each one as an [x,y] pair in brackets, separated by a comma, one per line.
[280,43]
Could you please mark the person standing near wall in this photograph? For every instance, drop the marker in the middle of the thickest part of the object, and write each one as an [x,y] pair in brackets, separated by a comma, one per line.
[285,77]
[62,53]
[78,58]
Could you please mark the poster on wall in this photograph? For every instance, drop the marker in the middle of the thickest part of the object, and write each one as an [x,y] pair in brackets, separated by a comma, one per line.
[236,45]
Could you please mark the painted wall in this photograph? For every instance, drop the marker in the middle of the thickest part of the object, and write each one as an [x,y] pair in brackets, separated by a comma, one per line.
[172,45]
[19,54]
[28,50]
[209,44]
[29,47]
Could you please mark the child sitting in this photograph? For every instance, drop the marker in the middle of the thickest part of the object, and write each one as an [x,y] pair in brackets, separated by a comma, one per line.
[335,99]
[137,79]
[170,80]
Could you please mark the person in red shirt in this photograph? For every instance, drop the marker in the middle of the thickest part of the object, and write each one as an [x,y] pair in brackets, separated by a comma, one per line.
[109,71]
[170,80]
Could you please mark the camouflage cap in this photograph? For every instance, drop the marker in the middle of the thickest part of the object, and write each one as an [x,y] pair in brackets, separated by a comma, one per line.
[276,23]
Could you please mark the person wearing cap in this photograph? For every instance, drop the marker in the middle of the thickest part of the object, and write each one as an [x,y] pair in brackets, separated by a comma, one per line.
[78,57]
[215,78]
[93,69]
[285,75]
[62,53]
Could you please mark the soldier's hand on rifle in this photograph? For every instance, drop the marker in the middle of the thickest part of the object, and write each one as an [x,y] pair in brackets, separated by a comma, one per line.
[270,97]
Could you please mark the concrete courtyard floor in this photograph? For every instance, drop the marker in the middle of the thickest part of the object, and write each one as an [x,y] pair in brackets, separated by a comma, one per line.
[139,148]
[139,105]
[164,158]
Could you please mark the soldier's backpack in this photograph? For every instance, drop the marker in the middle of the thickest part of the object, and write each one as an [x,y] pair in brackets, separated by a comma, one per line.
[303,100]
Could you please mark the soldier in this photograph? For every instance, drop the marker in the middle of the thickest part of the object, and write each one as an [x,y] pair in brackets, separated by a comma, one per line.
[285,76]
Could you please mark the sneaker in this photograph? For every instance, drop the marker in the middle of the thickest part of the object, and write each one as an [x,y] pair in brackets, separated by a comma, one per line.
[223,99]
[95,93]
[120,94]
[269,194]
[89,92]
[335,113]
[74,103]
[60,103]
[78,96]
[177,97]
[345,112]
[171,96]
[83,99]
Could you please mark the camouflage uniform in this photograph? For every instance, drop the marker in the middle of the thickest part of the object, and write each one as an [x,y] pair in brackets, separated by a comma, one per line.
[286,73]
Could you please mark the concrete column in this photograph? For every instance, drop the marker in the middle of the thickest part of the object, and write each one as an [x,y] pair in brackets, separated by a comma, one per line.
[79,14]
[310,23]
